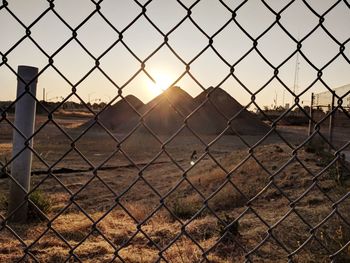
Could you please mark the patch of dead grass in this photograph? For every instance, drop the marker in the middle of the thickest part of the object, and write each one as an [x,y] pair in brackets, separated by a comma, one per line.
[162,229]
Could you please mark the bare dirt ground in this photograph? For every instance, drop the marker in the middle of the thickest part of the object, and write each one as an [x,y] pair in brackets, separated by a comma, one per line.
[146,202]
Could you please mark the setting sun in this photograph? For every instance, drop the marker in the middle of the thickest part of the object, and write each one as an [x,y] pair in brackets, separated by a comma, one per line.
[162,82]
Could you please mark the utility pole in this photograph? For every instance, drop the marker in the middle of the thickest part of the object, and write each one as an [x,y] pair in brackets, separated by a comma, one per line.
[296,76]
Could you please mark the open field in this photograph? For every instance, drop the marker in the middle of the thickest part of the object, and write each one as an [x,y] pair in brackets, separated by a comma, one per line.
[146,202]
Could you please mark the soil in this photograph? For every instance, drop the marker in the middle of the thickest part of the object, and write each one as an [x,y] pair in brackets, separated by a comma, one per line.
[174,110]
[147,197]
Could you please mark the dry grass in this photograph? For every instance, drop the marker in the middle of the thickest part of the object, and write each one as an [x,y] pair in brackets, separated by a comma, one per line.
[119,229]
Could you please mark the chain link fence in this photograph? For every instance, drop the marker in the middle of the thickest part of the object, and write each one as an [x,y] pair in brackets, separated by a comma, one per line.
[335,120]
[179,179]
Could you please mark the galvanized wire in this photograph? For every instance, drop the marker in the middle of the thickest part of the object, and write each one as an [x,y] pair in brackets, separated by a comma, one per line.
[248,253]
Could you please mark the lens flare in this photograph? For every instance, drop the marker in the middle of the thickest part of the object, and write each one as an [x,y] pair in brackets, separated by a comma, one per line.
[162,82]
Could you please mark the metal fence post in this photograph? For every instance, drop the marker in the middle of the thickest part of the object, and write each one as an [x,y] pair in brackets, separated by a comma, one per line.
[311,115]
[331,123]
[24,122]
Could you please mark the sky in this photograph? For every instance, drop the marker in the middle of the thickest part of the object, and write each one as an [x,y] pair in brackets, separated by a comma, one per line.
[164,67]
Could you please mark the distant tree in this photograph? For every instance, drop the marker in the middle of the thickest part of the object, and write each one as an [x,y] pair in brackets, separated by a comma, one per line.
[307,108]
[280,108]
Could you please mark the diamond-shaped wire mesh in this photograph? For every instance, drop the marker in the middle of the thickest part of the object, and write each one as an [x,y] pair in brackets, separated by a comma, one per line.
[180,179]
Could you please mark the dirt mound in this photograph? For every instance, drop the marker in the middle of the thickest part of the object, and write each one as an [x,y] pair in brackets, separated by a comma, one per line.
[167,113]
[120,113]
[221,107]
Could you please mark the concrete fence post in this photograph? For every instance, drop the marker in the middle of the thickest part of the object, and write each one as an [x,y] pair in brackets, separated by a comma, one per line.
[24,121]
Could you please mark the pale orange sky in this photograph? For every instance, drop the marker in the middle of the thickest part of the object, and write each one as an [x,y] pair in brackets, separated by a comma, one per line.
[97,36]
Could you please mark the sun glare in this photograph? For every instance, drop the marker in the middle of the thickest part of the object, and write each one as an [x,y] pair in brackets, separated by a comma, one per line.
[162,82]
